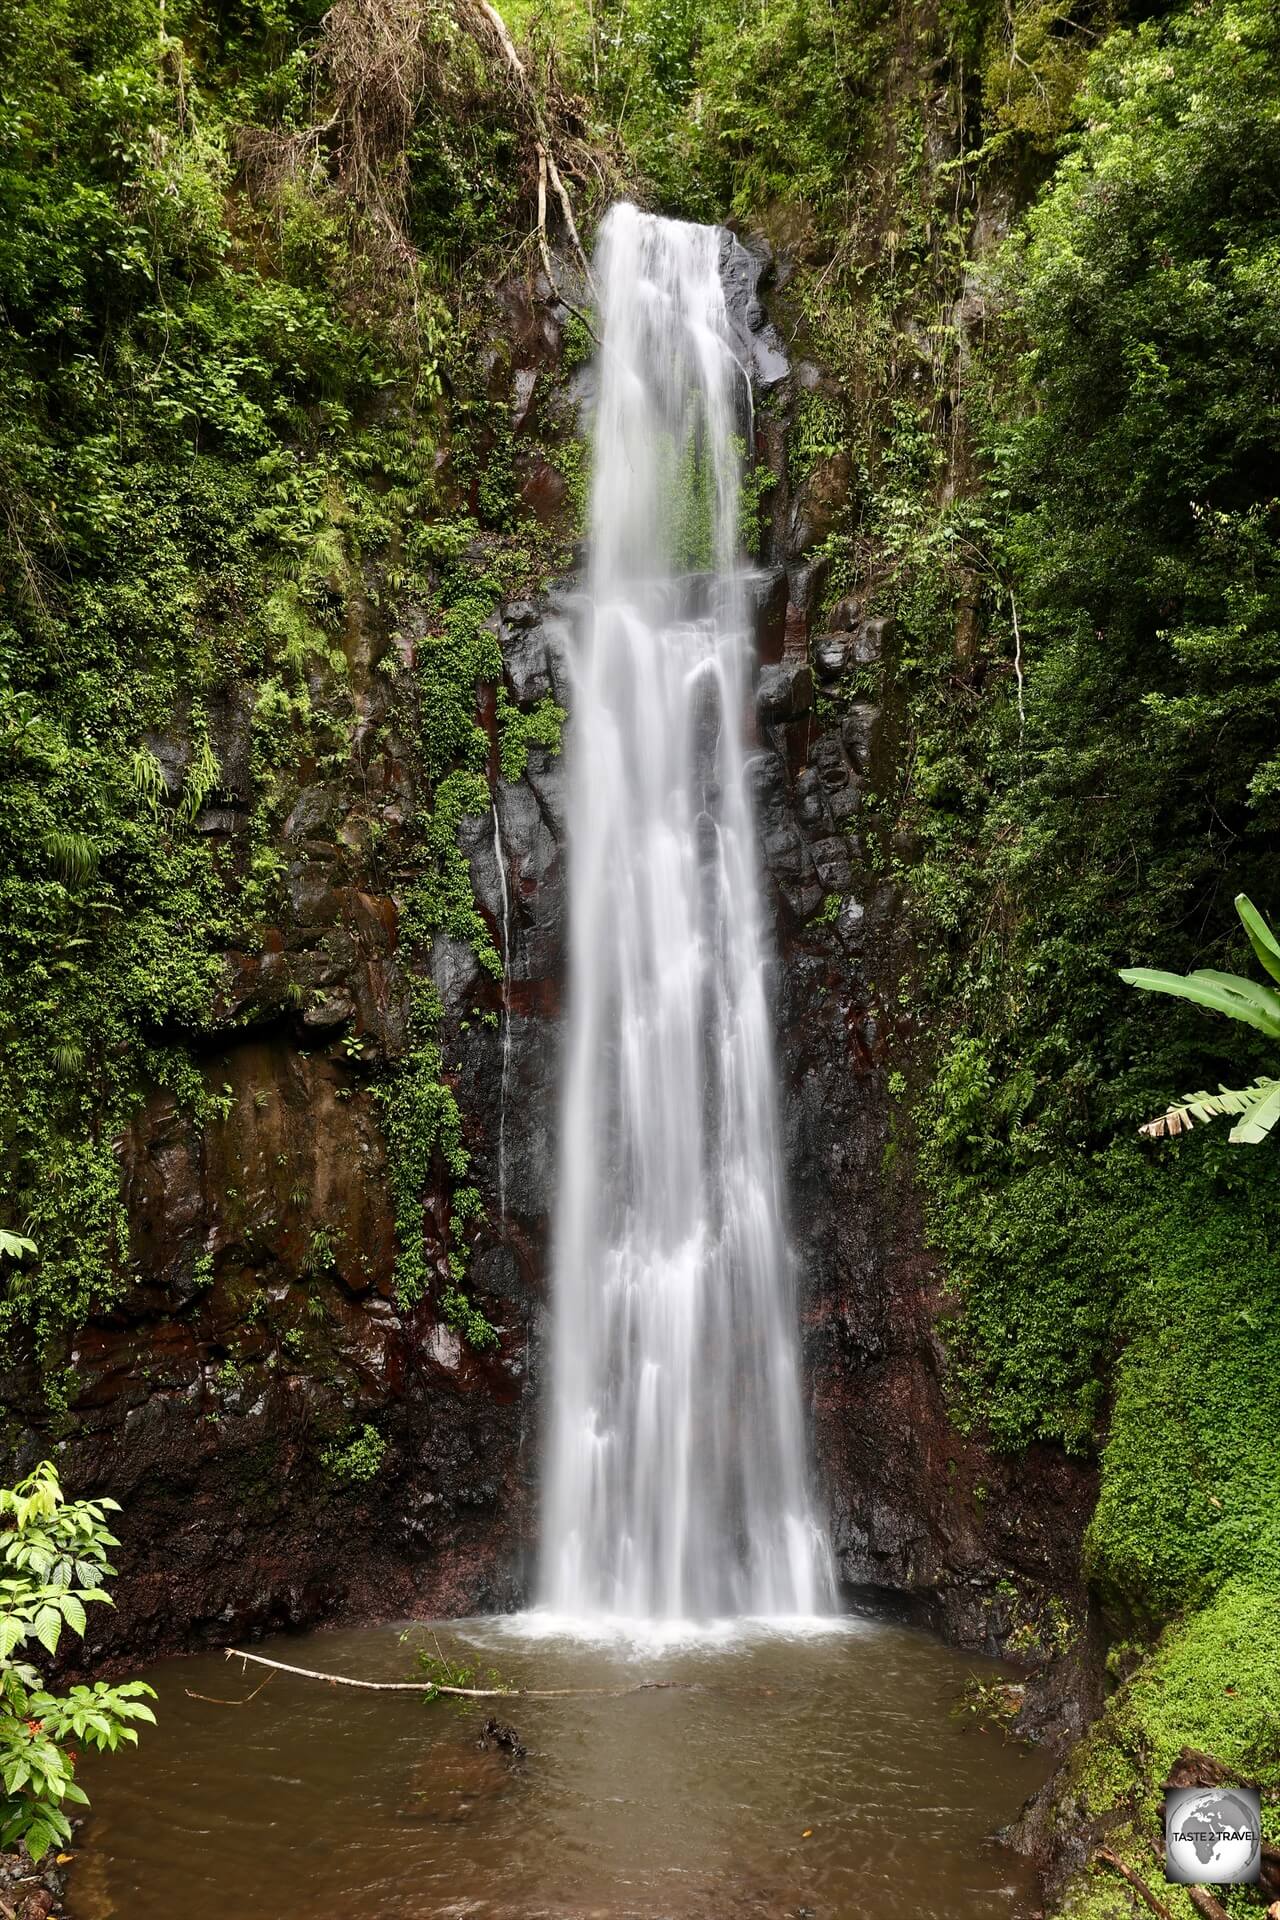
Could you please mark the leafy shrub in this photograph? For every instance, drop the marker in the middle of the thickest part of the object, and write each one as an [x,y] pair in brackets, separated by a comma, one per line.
[53,1563]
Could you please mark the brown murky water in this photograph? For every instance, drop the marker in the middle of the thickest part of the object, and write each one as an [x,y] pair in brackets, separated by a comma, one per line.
[820,1776]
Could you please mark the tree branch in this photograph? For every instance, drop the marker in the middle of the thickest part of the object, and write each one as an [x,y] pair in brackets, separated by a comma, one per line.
[1140,1887]
[546,158]
[462,1693]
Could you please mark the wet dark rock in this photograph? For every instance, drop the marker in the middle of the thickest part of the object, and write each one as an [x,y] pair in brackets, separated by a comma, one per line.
[524,389]
[218,820]
[806,583]
[829,762]
[874,634]
[535,659]
[831,863]
[784,852]
[744,268]
[521,613]
[335,1010]
[818,505]
[830,654]
[851,923]
[785,691]
[859,732]
[542,487]
[505,1739]
[767,603]
[313,814]
[812,807]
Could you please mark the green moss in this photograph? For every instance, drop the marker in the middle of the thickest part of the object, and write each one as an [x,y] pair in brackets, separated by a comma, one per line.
[1212,1682]
[1192,1460]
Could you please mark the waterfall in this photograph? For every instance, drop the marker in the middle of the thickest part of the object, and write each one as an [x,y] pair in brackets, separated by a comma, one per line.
[500,862]
[676,1482]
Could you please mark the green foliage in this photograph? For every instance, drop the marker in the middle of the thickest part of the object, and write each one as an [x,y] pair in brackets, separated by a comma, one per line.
[542,726]
[423,1126]
[164,536]
[1043,868]
[723,105]
[53,1564]
[1193,1448]
[1257,1105]
[1109,807]
[226,449]
[357,1459]
[442,1670]
[1210,1684]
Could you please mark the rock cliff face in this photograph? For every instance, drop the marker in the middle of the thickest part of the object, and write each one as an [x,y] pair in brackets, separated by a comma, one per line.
[290,1444]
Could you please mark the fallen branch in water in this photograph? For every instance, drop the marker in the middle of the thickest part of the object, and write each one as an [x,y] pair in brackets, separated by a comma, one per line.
[462,1693]
[212,1700]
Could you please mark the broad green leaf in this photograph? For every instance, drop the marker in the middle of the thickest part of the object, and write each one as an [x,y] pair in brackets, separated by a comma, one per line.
[1261,938]
[1204,993]
[39,1839]
[1258,1121]
[48,1626]
[1252,991]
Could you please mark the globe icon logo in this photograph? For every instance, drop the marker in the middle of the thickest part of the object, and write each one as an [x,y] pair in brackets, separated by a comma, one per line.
[1212,1835]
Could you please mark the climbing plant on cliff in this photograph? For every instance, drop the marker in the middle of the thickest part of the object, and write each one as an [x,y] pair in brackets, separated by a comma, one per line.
[53,1564]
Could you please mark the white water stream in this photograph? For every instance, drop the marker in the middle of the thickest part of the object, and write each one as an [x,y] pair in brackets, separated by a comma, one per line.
[676,1485]
[500,861]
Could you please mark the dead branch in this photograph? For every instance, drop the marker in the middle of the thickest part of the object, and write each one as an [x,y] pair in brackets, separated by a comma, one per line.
[461,1693]
[559,299]
[1140,1887]
[212,1700]
[1205,1904]
[546,157]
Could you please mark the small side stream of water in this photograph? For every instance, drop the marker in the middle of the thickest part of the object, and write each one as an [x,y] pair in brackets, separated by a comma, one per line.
[821,1776]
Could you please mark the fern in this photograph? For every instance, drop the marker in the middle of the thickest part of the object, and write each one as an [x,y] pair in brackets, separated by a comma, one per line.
[147,779]
[202,778]
[73,856]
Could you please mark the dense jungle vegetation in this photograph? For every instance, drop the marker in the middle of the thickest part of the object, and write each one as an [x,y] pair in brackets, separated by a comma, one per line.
[1037,245]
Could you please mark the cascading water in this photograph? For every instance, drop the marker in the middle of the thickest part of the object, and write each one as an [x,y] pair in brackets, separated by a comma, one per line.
[504,888]
[676,1483]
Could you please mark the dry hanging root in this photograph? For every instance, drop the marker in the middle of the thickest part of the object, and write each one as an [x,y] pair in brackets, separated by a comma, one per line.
[547,168]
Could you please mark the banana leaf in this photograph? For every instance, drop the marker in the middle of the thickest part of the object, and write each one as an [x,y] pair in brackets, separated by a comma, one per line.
[1258,1106]
[1261,938]
[1253,992]
[1257,1123]
[1239,1000]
